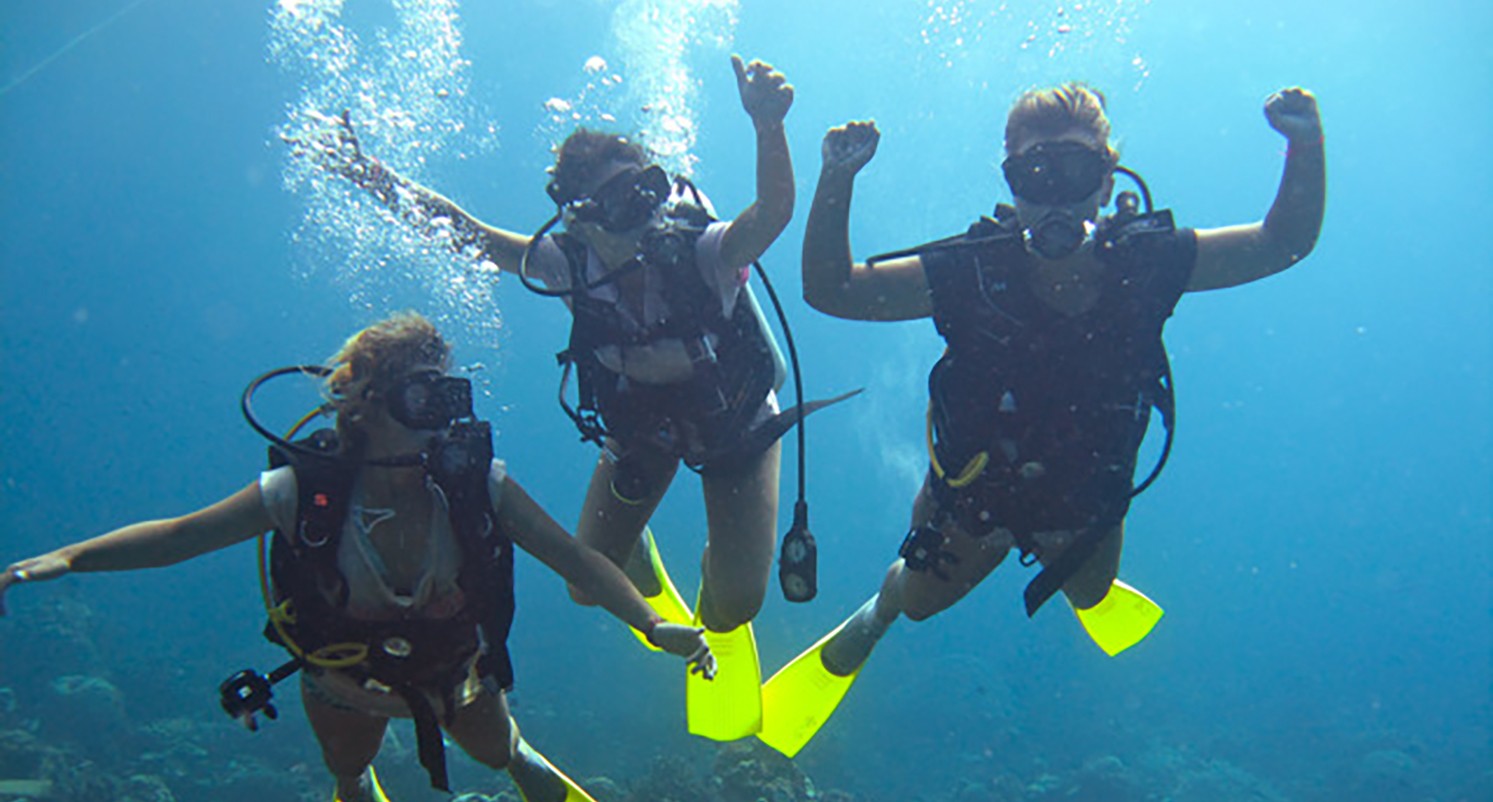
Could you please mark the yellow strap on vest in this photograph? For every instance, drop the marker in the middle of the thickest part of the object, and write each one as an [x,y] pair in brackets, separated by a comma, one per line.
[338,655]
[972,469]
[333,655]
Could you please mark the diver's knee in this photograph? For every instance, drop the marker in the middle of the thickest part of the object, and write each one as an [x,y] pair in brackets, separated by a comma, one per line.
[921,600]
[341,764]
[494,757]
[730,612]
[923,610]
[730,596]
[1087,591]
[1091,584]
[579,596]
[725,606]
[495,752]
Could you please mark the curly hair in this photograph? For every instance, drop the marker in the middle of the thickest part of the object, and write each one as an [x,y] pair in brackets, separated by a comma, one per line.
[1042,113]
[581,157]
[371,360]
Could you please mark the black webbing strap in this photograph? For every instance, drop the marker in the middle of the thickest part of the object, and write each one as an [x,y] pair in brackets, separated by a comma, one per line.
[1051,578]
[429,744]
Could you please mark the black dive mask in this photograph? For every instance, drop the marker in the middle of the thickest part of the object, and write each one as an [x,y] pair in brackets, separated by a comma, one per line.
[623,203]
[1056,173]
[430,400]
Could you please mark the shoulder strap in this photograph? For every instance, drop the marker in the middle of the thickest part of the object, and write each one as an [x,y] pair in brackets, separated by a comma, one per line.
[304,560]
[958,269]
[461,468]
[693,306]
[323,485]
[322,491]
[575,257]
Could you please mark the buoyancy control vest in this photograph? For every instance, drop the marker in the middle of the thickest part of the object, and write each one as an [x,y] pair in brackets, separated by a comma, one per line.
[735,362]
[412,658]
[1036,416]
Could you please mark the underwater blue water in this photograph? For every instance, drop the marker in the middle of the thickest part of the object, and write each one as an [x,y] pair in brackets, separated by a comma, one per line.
[1320,539]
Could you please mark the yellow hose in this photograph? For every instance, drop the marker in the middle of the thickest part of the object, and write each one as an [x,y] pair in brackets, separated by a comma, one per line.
[333,655]
[971,470]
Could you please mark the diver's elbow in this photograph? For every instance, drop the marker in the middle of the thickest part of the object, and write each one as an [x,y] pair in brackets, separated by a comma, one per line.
[1293,251]
[777,216]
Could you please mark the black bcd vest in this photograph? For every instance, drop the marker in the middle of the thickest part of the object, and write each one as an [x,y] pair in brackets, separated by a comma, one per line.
[1058,404]
[729,382]
[412,657]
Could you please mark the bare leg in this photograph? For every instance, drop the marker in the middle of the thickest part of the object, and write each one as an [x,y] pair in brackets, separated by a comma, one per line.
[1091,581]
[922,594]
[611,525]
[349,739]
[741,507]
[917,594]
[486,731]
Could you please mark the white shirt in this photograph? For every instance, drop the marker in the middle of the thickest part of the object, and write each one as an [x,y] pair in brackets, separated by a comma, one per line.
[370,596]
[664,361]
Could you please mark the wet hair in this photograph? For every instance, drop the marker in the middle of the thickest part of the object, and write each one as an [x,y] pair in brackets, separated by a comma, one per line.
[371,360]
[583,155]
[1052,112]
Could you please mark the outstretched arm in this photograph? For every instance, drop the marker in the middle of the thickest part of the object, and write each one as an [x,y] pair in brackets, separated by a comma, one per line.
[1228,257]
[339,151]
[833,283]
[532,528]
[150,544]
[766,95]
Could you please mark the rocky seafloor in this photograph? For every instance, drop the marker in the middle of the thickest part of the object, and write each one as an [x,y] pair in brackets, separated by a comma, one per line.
[67,734]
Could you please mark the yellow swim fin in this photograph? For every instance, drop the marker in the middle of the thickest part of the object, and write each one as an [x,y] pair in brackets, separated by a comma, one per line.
[798,699]
[573,792]
[1121,619]
[728,707]
[375,791]
[667,602]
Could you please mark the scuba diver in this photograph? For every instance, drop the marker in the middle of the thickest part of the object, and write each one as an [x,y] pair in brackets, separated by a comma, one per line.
[671,358]
[1052,315]
[391,578]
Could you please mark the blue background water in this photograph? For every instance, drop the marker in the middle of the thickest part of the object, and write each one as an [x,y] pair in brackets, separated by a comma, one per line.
[1320,539]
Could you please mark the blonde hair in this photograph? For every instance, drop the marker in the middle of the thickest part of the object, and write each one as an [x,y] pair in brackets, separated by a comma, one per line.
[371,360]
[1051,112]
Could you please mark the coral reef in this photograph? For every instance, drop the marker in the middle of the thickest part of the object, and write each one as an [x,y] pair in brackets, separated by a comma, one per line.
[205,760]
[748,771]
[744,771]
[669,779]
[59,638]
[63,775]
[1382,775]
[1156,773]
[69,733]
[86,712]
[160,761]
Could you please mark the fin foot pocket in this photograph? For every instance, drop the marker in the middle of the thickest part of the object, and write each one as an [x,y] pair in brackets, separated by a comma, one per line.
[668,603]
[538,780]
[728,707]
[1123,618]
[801,697]
[375,790]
